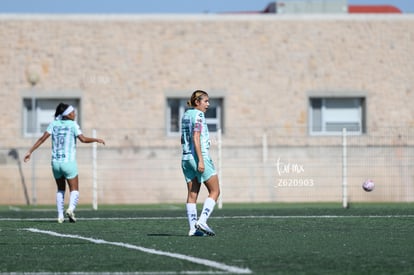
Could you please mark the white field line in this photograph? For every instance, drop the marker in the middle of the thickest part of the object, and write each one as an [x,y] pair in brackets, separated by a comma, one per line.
[121,273]
[209,263]
[226,217]
[318,216]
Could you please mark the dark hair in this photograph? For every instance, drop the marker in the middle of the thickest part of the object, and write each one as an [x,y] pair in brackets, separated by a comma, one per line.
[60,109]
[197,95]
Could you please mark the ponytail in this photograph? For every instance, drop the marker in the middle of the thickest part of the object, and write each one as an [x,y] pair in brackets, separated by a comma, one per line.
[60,109]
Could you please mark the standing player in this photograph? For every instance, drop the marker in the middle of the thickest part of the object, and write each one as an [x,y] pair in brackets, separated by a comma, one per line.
[64,131]
[196,163]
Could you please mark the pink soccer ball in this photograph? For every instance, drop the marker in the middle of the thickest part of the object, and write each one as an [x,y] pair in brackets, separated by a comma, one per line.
[368,185]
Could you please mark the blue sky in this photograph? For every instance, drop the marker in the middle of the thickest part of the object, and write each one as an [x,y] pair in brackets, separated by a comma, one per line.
[159,6]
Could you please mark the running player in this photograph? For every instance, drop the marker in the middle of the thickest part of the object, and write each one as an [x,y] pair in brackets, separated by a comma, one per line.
[64,131]
[196,163]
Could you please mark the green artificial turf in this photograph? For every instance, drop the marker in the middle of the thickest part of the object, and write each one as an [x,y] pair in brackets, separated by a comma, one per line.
[256,238]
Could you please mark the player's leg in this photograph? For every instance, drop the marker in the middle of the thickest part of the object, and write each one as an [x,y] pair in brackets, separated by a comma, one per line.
[74,198]
[209,204]
[60,198]
[193,190]
[213,188]
[71,174]
[60,193]
[191,206]
[189,168]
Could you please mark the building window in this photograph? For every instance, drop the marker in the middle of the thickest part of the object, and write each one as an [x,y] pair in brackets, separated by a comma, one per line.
[36,120]
[329,115]
[177,106]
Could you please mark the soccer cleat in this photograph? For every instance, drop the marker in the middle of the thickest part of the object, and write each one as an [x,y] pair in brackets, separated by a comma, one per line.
[196,233]
[61,220]
[203,227]
[70,215]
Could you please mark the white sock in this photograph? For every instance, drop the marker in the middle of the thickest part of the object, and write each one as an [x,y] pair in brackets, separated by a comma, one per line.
[191,214]
[208,208]
[73,200]
[60,202]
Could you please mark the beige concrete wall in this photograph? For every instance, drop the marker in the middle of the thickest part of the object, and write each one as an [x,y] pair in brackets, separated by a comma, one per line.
[265,67]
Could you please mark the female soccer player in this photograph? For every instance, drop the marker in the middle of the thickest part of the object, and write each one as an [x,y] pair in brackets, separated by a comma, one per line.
[64,131]
[196,163]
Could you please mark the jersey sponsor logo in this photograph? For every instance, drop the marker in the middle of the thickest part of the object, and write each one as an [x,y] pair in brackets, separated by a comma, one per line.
[60,130]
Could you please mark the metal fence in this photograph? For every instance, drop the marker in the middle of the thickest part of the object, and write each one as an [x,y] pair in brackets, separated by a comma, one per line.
[276,164]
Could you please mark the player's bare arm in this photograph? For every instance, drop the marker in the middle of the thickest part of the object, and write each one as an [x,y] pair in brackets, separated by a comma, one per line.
[39,142]
[197,147]
[84,139]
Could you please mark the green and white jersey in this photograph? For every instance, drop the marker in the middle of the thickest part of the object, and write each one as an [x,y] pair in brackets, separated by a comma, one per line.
[192,121]
[64,134]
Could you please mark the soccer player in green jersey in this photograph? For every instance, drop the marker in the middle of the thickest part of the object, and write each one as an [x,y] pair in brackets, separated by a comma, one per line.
[196,163]
[64,131]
